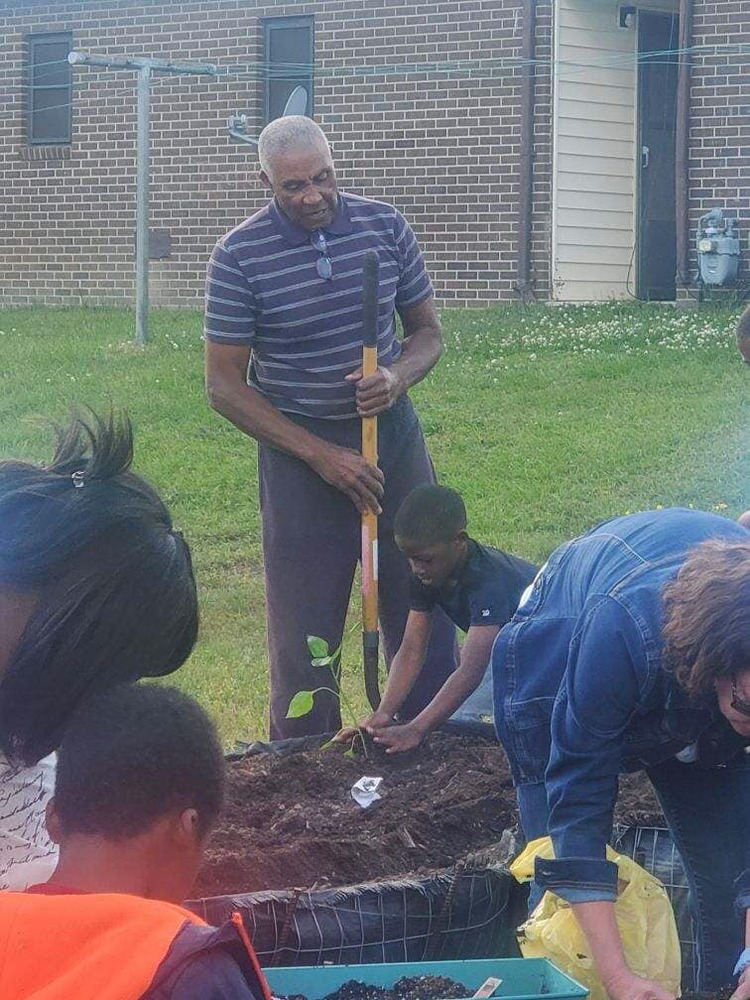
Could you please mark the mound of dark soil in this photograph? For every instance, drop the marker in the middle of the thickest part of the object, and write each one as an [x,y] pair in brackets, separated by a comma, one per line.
[290,820]
[407,988]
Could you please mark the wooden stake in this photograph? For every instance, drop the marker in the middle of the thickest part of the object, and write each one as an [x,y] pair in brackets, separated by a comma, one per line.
[369,554]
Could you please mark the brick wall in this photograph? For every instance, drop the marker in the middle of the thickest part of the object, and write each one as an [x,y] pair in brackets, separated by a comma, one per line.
[441,144]
[720,116]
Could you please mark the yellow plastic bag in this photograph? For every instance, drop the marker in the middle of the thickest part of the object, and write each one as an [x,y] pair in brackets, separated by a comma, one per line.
[644,916]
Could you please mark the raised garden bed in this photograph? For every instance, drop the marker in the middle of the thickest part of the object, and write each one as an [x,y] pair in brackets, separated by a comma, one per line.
[418,876]
[290,819]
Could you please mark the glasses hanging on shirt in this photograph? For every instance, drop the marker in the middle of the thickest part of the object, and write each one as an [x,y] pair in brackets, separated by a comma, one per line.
[323,264]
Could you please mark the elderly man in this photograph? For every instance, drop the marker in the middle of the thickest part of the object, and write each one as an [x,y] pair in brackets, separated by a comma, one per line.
[283,348]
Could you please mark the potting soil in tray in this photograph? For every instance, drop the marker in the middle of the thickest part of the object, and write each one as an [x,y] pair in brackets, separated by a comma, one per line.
[290,820]
[406,988]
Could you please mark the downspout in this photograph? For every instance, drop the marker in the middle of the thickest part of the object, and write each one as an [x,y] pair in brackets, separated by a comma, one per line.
[526,149]
[682,152]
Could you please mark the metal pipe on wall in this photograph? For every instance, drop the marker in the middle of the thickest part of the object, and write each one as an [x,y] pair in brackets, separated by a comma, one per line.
[526,151]
[142,205]
[682,152]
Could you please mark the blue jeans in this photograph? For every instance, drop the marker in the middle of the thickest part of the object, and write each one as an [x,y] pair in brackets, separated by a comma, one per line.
[708,814]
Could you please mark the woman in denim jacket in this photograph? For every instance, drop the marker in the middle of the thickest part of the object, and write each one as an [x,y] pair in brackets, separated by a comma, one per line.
[632,652]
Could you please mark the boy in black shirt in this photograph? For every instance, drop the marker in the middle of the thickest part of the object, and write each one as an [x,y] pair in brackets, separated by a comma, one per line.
[478,587]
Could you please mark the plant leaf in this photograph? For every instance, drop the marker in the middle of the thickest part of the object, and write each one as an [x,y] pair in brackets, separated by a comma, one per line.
[300,705]
[321,661]
[318,647]
[350,753]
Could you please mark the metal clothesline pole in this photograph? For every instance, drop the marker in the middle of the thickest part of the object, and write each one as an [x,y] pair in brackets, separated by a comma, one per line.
[145,69]
[142,248]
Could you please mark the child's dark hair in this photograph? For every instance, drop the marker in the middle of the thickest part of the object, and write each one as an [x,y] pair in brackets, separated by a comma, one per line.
[743,334]
[134,754]
[430,514]
[113,581]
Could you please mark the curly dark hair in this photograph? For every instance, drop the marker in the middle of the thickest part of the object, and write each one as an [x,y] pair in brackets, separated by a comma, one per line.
[707,615]
[115,595]
[134,754]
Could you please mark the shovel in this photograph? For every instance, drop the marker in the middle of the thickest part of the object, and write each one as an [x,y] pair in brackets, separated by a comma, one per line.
[369,555]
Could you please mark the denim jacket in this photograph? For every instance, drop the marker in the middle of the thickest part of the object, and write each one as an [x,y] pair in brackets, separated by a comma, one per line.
[581,690]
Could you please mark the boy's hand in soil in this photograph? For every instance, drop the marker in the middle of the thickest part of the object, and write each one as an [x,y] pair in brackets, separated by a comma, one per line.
[377,721]
[399,739]
[373,723]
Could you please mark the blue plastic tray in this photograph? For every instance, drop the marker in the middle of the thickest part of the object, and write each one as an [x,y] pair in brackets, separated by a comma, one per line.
[522,978]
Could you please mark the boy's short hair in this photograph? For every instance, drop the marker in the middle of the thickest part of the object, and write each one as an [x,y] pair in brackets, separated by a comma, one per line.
[430,514]
[134,754]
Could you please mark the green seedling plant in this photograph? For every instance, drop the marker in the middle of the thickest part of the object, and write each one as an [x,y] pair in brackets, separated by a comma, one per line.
[303,701]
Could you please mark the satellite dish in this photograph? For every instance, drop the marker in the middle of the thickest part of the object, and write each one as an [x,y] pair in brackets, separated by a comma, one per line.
[296,102]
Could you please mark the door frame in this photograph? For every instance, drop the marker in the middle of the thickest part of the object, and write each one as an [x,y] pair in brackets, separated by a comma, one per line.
[638,219]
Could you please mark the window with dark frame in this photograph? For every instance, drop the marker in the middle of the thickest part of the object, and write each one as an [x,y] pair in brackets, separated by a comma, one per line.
[288,57]
[50,89]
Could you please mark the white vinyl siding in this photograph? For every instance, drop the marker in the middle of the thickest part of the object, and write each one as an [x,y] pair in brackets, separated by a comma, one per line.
[595,156]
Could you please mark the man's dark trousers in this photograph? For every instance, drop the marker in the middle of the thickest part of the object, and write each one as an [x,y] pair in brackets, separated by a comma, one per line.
[311,545]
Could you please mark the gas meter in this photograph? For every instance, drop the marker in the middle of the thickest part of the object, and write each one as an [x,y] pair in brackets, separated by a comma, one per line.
[718,249]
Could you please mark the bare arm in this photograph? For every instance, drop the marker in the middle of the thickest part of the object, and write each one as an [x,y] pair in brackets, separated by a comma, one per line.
[475,655]
[422,347]
[598,923]
[423,343]
[404,670]
[407,662]
[245,407]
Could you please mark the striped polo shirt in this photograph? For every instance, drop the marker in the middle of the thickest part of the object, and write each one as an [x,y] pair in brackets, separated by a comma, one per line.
[263,290]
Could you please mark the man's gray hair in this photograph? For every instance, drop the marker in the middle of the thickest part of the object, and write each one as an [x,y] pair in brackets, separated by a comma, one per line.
[292,132]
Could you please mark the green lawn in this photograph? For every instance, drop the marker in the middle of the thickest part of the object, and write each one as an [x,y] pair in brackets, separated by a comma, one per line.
[547,420]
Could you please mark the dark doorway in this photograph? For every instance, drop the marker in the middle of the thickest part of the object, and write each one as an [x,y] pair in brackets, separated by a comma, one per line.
[657,104]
